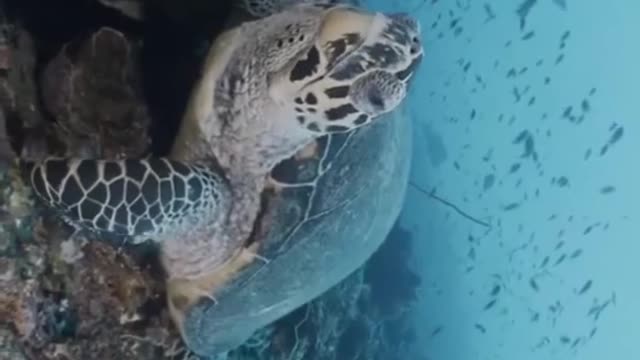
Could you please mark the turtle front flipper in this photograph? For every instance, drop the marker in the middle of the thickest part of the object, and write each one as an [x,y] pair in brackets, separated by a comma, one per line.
[142,199]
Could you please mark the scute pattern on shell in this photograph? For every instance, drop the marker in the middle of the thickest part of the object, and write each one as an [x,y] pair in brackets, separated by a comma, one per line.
[151,198]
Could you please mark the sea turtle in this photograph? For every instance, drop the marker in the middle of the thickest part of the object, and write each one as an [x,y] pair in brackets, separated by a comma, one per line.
[247,232]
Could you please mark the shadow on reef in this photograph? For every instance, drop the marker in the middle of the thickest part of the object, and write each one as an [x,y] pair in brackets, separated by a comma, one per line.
[393,283]
[365,317]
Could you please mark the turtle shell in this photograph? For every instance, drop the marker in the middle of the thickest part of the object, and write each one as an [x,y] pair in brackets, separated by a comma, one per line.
[341,198]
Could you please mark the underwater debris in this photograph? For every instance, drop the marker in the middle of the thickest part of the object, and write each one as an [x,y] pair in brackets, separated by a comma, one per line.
[432,195]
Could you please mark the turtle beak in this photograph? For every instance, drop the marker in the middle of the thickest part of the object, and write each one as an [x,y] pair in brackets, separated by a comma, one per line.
[403,30]
[405,23]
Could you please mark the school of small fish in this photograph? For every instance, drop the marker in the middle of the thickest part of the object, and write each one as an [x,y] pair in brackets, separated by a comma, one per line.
[502,289]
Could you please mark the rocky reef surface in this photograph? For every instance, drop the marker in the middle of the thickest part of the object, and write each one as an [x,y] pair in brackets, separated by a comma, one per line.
[99,79]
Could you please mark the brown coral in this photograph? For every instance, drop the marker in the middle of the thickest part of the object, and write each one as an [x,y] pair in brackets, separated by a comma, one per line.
[93,89]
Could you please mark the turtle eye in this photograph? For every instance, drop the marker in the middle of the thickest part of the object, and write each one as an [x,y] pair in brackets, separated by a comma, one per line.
[375,98]
[377,92]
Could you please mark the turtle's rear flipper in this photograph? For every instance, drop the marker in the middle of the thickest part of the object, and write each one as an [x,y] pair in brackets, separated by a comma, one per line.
[143,198]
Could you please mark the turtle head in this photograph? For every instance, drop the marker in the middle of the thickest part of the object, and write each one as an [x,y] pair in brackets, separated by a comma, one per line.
[356,67]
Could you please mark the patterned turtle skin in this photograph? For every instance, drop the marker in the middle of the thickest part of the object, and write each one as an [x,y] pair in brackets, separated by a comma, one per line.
[268,89]
[157,198]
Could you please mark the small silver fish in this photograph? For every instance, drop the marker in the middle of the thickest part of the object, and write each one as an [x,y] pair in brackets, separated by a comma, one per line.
[585,287]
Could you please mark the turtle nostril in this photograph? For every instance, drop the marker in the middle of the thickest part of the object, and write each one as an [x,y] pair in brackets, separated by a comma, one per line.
[416,46]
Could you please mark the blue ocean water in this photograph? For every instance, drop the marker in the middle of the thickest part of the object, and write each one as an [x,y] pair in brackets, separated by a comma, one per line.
[525,116]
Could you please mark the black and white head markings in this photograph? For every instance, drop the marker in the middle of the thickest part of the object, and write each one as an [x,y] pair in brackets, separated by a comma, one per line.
[357,69]
[307,71]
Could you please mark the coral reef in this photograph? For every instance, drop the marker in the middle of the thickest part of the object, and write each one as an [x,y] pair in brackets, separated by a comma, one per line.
[100,69]
[63,296]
